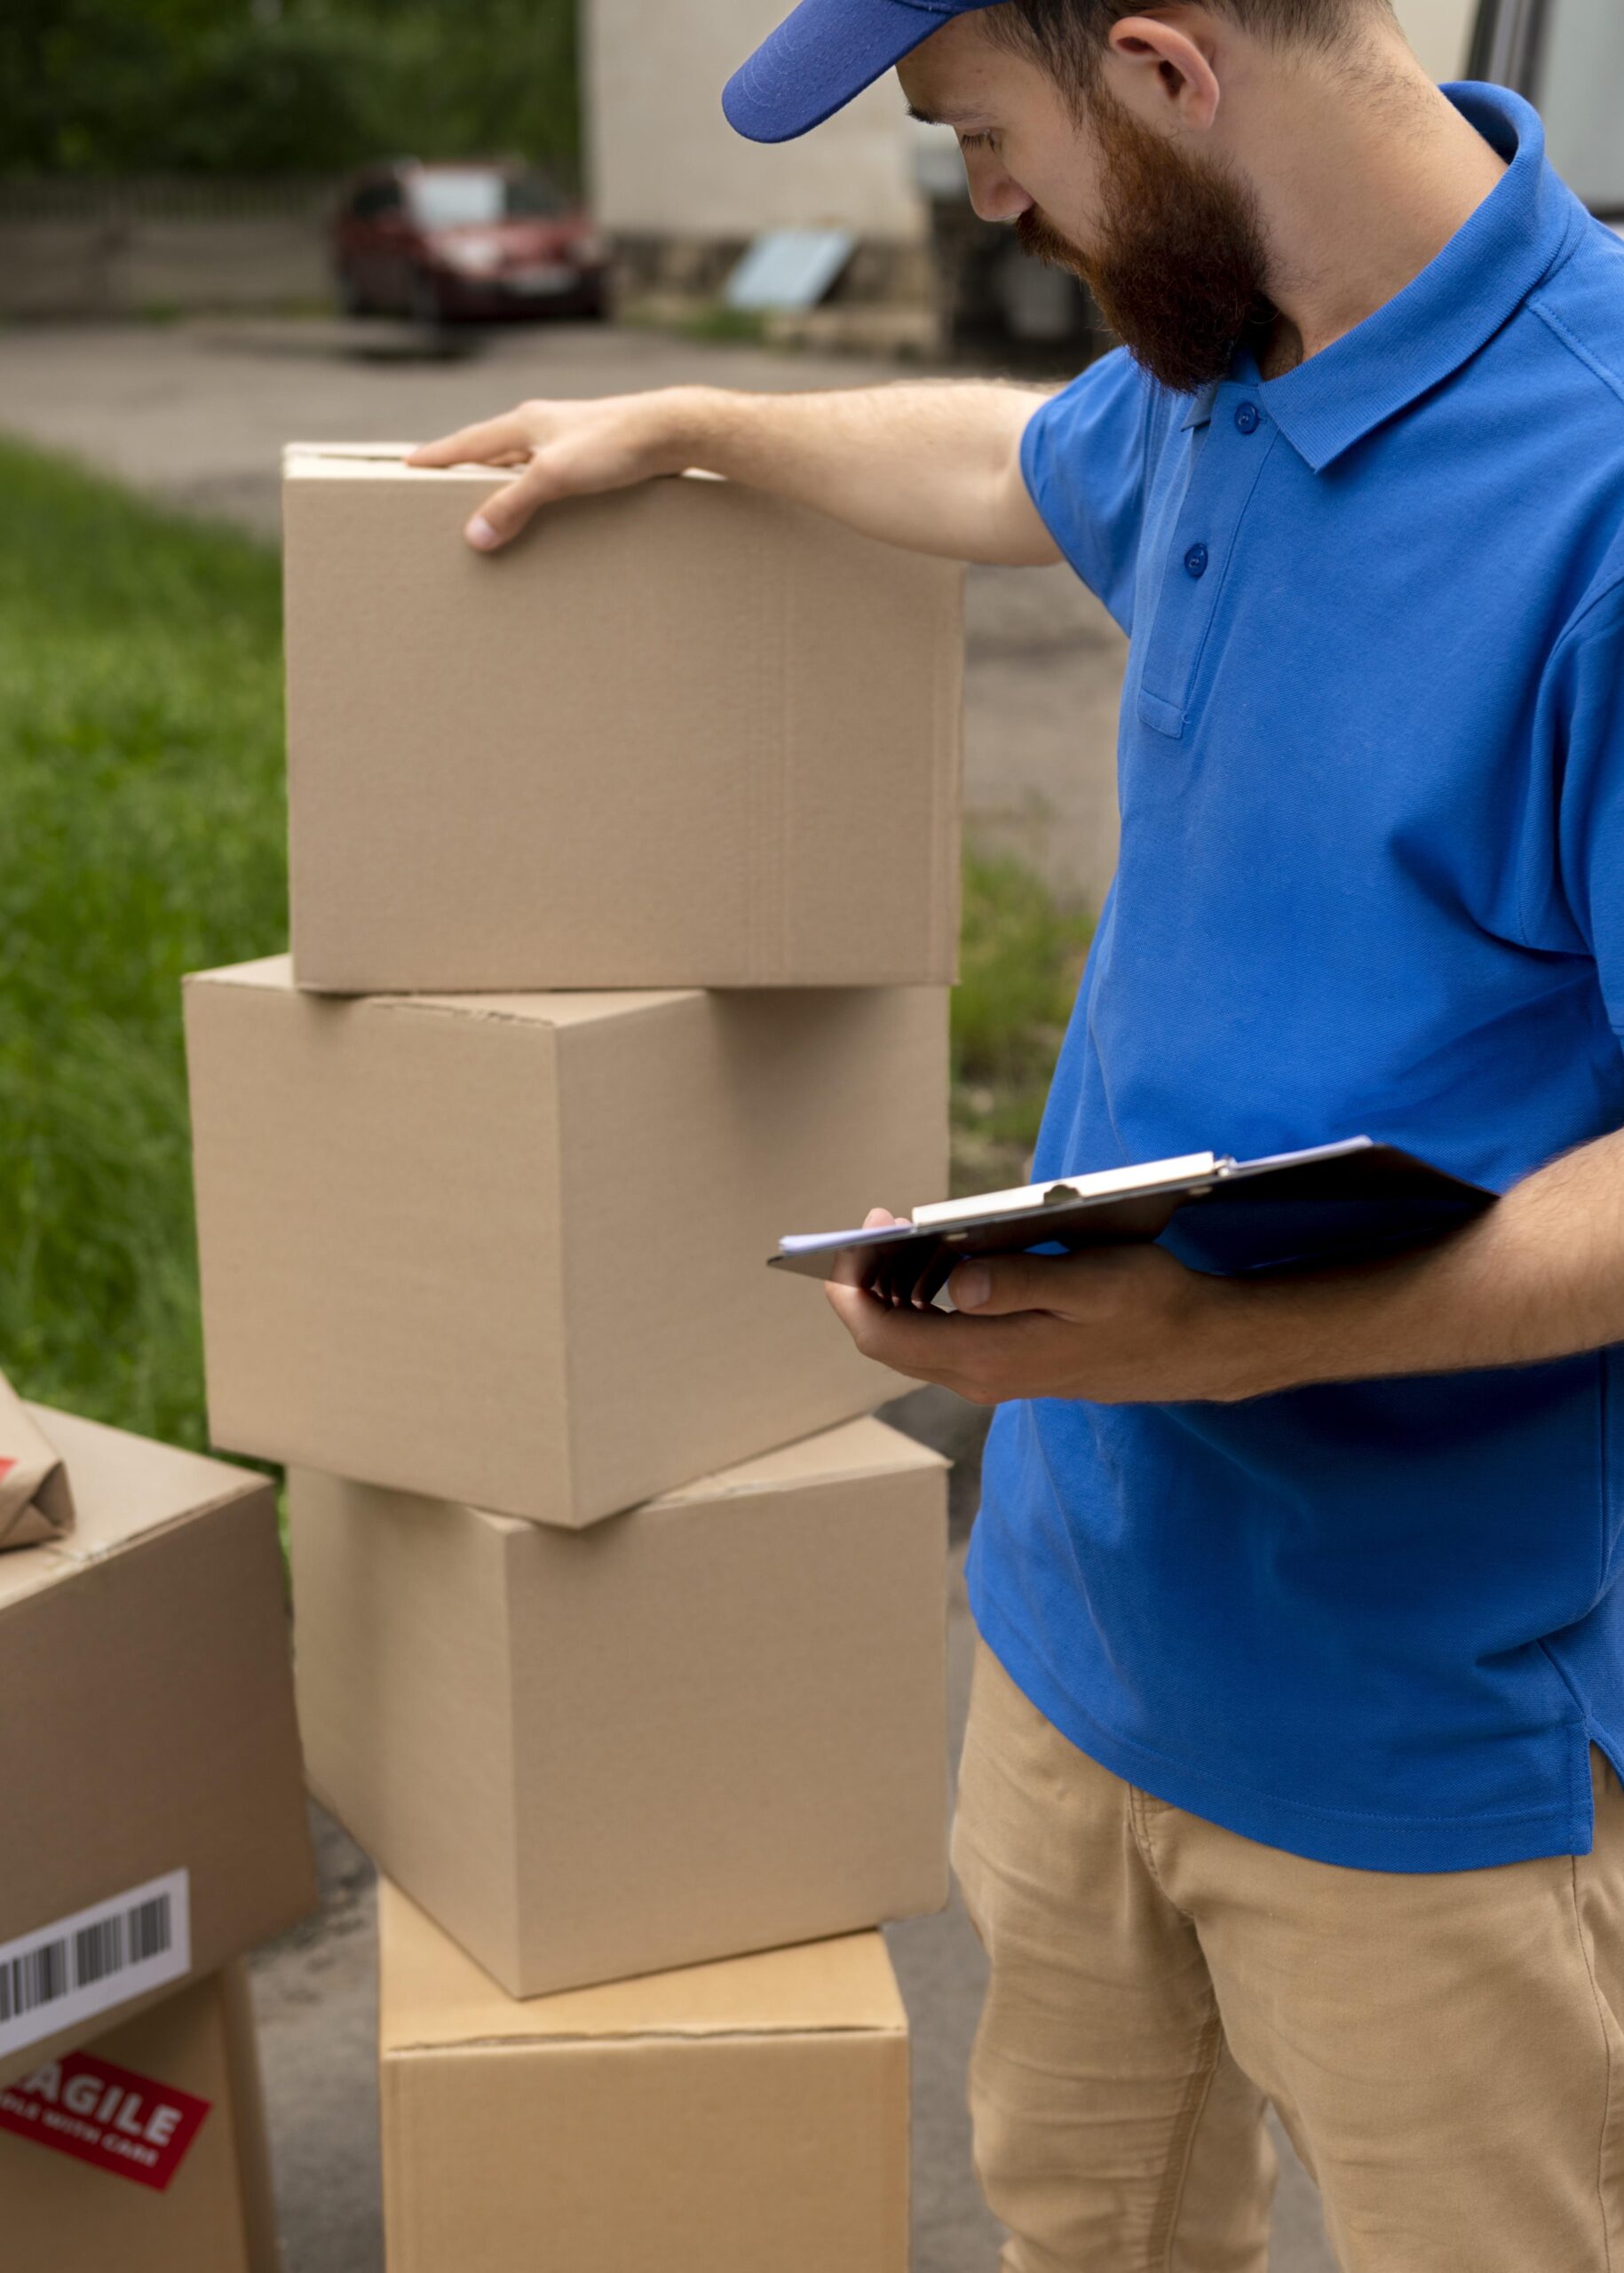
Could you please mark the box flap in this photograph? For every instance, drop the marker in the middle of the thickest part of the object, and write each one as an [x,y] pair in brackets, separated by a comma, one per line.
[850,1454]
[125,1489]
[565,1008]
[387,461]
[371,461]
[432,1997]
[842,1455]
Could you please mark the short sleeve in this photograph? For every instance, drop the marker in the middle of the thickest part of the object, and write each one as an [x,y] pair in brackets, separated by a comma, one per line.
[1084,456]
[1588,753]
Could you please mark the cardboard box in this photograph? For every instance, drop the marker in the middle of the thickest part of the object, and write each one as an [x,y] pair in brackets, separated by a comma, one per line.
[154,1812]
[511,1249]
[683,734]
[745,2118]
[714,1724]
[145,2151]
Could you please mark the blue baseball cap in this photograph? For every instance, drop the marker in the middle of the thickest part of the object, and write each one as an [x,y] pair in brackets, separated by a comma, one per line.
[825,53]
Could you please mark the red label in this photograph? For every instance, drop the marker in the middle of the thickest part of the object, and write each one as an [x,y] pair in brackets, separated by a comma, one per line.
[129,2125]
[6,1466]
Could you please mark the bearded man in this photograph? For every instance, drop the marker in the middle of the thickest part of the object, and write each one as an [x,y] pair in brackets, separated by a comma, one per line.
[1291,1772]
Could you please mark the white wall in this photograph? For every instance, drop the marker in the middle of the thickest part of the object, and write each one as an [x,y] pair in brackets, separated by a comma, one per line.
[663,160]
[1440,33]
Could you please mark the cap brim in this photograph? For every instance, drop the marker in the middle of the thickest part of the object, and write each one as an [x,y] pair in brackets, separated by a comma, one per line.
[820,57]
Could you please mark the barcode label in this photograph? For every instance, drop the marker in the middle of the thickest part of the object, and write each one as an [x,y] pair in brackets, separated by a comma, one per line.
[79,1966]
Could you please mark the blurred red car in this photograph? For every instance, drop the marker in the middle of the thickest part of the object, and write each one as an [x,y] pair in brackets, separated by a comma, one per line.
[439,241]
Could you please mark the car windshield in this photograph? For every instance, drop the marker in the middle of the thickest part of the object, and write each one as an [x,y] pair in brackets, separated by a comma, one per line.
[477,197]
[1582,97]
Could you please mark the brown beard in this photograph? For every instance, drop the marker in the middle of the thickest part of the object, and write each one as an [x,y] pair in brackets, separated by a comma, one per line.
[1178,266]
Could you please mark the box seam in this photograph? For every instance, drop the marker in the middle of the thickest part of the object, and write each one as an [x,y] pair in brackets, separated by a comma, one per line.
[770,950]
[687,1496]
[79,1561]
[569,1403]
[475,1004]
[516,1843]
[482,2046]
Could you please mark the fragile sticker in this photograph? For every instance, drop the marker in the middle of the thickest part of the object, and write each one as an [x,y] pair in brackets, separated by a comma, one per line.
[132,2126]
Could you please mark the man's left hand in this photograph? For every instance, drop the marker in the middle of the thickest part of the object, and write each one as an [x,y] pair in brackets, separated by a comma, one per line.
[1539,1276]
[1118,1326]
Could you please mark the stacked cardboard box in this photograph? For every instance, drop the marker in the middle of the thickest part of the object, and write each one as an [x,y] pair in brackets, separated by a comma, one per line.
[725,2119]
[624,908]
[145,2150]
[148,1751]
[155,1832]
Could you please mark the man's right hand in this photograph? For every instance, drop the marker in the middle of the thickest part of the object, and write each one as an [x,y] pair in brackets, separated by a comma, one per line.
[564,449]
[932,466]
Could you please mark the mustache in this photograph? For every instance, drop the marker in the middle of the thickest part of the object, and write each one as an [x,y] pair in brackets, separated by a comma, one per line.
[1038,237]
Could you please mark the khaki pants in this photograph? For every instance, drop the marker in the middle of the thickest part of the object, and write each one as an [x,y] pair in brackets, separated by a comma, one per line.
[1443,2051]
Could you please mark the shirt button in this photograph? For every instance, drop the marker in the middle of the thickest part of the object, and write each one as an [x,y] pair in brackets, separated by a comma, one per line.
[1247,417]
[1195,560]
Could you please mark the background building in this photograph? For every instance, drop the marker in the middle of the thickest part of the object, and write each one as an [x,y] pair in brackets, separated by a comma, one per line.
[681,195]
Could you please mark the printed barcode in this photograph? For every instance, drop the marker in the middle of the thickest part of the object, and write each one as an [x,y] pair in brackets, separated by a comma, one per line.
[68,1970]
[149,1928]
[95,1951]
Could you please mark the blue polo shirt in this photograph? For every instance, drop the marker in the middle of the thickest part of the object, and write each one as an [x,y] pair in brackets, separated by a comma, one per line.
[1371,769]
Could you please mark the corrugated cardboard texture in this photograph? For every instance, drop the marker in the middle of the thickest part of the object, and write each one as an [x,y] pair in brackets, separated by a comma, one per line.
[714,1724]
[147,1718]
[724,2119]
[684,734]
[510,1250]
[57,2216]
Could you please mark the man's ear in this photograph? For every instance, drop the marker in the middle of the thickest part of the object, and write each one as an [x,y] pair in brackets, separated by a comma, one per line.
[1165,74]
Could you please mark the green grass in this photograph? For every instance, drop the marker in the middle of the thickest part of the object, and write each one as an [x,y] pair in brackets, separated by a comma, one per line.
[712,321]
[141,803]
[721,325]
[141,807]
[1021,954]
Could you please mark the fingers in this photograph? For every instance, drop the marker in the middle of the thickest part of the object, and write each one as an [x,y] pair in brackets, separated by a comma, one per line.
[927,1345]
[891,1337]
[559,451]
[507,510]
[848,1304]
[485,444]
[993,1286]
[506,441]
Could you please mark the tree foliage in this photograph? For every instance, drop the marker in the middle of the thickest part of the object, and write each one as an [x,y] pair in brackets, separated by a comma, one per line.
[110,87]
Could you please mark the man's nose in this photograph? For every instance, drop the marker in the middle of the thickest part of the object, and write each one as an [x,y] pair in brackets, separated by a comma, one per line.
[994,194]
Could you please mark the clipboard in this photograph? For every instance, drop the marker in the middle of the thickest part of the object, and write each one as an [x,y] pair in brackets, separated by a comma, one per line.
[1330,1203]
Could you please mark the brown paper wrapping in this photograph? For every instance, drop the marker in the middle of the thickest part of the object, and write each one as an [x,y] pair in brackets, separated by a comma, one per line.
[35,1504]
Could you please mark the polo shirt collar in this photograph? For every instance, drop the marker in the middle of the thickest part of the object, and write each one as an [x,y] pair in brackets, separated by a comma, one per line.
[1459,301]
